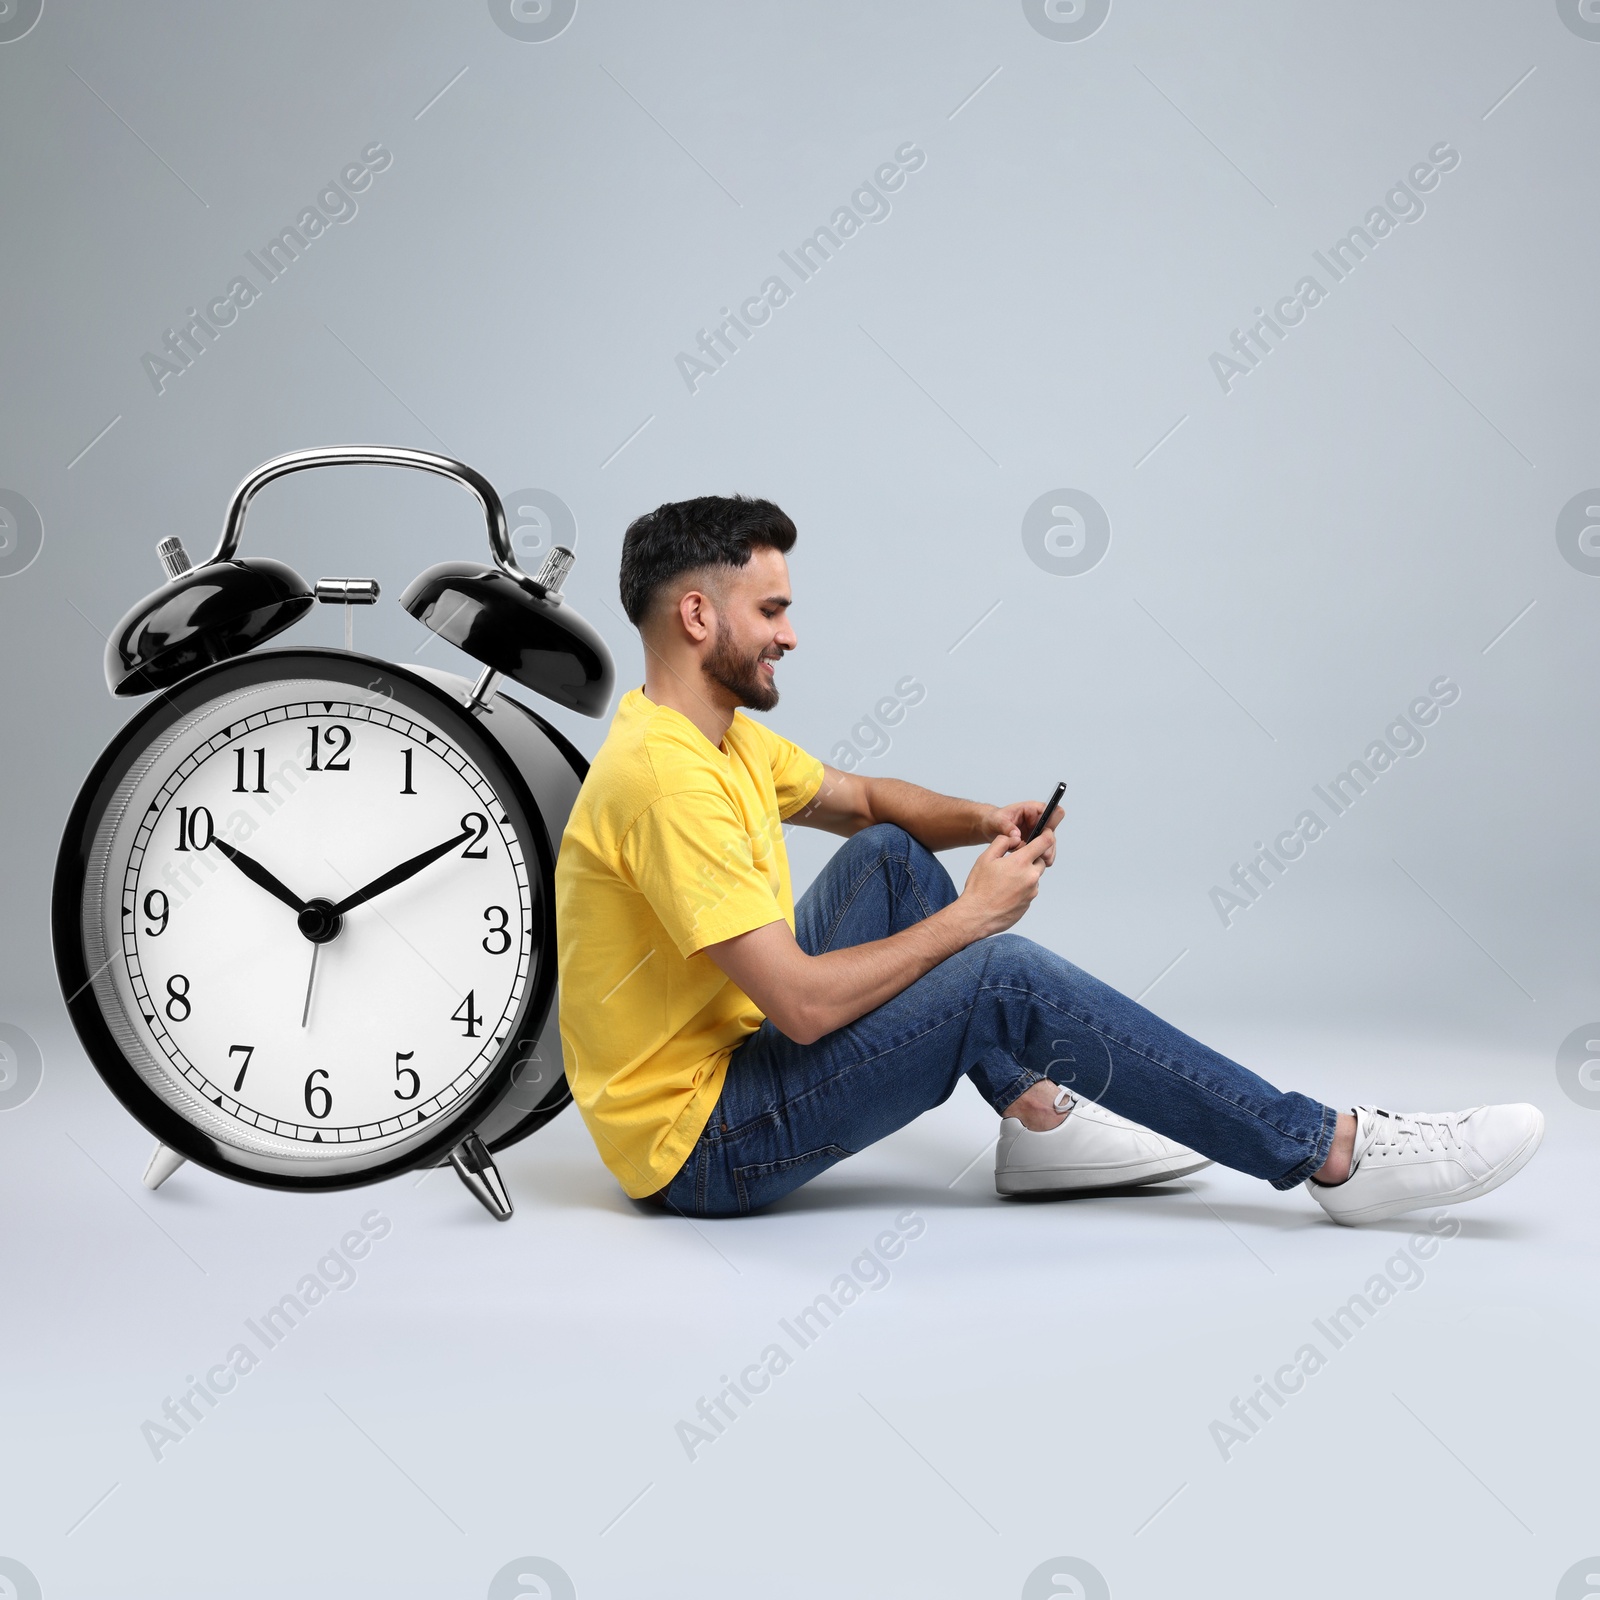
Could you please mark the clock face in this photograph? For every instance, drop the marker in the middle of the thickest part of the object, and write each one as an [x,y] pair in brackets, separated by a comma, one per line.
[313,920]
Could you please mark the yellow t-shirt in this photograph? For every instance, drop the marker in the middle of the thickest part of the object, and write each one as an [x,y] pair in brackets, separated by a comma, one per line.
[673,844]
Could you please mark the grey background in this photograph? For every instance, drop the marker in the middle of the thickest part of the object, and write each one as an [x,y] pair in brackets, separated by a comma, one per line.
[1373,507]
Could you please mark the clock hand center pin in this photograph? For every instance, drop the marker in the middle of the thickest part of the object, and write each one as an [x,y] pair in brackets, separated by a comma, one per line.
[319,920]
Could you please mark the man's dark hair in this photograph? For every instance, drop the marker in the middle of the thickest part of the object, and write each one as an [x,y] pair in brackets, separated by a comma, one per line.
[683,535]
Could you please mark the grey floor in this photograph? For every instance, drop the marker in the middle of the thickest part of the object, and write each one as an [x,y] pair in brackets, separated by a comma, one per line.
[1021,1399]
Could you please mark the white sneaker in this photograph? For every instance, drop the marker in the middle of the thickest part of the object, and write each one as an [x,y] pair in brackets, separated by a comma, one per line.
[1406,1160]
[1093,1149]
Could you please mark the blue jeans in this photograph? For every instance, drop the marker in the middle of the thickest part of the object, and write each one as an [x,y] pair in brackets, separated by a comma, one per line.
[1006,1013]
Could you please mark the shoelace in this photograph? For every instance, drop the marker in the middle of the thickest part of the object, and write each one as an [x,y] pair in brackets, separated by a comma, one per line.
[1401,1133]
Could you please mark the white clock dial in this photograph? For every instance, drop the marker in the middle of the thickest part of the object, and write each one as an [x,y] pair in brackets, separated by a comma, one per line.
[268,1001]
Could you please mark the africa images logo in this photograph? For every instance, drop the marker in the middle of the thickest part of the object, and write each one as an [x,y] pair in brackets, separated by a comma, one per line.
[868,203]
[1403,203]
[335,203]
[17,17]
[21,533]
[1402,739]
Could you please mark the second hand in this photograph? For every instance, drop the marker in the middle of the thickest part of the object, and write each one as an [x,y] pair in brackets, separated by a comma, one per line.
[310,984]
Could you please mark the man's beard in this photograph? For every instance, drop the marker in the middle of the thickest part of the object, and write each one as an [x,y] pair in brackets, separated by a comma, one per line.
[740,675]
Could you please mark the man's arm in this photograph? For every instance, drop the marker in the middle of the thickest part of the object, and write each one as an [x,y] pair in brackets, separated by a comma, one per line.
[847,802]
[808,996]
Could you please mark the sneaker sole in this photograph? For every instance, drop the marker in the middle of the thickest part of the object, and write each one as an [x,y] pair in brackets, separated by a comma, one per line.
[1395,1208]
[1055,1180]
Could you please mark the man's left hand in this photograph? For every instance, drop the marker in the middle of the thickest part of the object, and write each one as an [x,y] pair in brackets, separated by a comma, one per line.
[1017,820]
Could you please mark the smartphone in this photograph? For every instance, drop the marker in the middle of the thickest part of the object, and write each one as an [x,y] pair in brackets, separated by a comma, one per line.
[1044,816]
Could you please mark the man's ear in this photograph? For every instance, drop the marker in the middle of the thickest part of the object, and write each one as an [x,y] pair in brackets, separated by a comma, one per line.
[697,613]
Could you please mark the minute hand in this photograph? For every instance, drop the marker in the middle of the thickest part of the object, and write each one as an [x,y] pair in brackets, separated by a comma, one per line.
[398,875]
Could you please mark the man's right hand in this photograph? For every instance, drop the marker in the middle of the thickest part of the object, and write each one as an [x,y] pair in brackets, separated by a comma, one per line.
[1003,880]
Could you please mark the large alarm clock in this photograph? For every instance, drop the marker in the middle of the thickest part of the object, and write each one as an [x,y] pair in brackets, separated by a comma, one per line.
[304,905]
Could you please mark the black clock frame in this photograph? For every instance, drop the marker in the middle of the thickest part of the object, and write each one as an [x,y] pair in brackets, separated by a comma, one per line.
[123,1079]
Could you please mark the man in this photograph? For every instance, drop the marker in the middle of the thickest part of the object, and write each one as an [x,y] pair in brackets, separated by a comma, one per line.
[725,1046]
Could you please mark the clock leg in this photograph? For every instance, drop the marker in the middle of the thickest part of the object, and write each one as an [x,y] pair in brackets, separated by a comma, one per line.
[163,1163]
[477,1170]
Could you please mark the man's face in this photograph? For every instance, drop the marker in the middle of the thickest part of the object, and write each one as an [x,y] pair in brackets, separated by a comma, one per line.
[752,630]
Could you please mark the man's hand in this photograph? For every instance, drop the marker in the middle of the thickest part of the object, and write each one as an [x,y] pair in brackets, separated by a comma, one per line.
[806,996]
[1015,822]
[846,803]
[1004,879]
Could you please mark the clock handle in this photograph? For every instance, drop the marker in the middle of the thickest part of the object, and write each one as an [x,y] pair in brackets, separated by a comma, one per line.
[381,455]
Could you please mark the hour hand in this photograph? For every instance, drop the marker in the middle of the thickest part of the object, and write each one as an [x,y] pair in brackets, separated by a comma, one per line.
[398,875]
[258,874]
